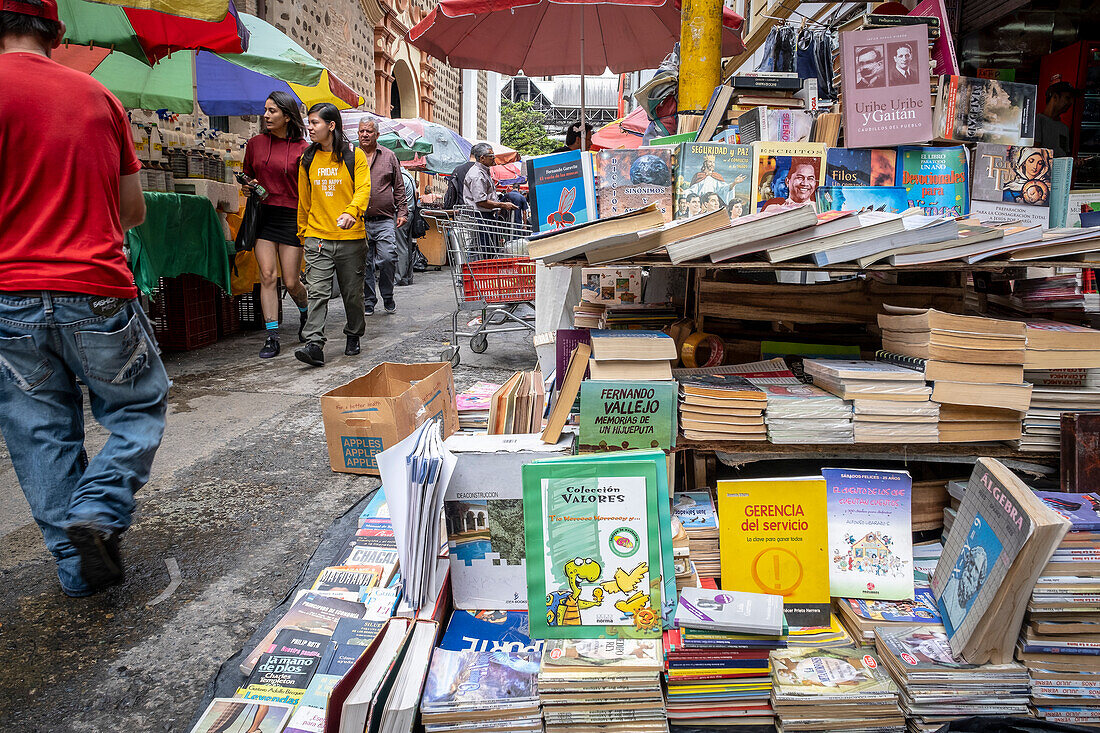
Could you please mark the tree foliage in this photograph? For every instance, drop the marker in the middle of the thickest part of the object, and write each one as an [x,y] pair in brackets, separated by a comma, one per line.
[522,128]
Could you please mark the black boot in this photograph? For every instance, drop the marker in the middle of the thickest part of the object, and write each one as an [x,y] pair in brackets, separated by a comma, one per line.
[271,346]
[311,354]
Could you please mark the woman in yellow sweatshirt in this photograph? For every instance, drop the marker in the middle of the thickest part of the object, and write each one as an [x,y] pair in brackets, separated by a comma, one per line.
[333,191]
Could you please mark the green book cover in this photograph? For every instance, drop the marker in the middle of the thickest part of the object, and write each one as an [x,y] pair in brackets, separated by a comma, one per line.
[621,415]
[597,521]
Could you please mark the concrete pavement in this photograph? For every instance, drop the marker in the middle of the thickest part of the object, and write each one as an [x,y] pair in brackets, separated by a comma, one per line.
[240,496]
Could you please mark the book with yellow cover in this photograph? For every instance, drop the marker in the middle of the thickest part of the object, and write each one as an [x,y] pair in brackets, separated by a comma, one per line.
[773,538]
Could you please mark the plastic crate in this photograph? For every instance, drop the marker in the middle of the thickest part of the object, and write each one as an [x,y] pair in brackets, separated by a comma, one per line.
[250,314]
[229,318]
[184,313]
[506,280]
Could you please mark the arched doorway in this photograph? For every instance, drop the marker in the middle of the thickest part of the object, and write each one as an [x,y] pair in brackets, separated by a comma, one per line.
[404,101]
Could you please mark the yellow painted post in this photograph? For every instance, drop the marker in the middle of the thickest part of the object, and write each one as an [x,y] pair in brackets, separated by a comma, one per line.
[700,57]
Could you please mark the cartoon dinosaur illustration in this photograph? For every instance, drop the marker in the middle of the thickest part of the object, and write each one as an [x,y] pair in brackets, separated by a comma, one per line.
[564,609]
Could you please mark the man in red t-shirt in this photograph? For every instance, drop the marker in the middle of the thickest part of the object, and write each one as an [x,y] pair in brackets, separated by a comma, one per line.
[69,188]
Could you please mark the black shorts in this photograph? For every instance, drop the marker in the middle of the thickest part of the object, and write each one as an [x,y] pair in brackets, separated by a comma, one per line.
[278,224]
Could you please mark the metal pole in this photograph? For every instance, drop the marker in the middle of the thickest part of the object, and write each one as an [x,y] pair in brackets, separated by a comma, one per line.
[700,54]
[584,130]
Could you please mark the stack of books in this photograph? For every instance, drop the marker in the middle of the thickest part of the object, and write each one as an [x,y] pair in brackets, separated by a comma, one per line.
[473,406]
[797,412]
[975,365]
[602,684]
[861,617]
[683,565]
[468,692]
[695,510]
[890,402]
[644,316]
[518,405]
[717,657]
[1060,642]
[936,689]
[588,315]
[1053,392]
[1055,345]
[1069,292]
[721,407]
[632,355]
[834,689]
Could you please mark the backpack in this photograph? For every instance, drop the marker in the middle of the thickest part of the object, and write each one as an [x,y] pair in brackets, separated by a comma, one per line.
[349,161]
[453,196]
[418,227]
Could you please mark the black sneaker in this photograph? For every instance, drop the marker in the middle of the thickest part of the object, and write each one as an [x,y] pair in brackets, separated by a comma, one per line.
[100,559]
[311,354]
[390,305]
[369,310]
[271,346]
[352,348]
[302,328]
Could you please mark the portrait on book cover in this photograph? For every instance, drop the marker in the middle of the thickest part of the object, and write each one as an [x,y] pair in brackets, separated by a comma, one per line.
[870,67]
[972,567]
[902,69]
[787,182]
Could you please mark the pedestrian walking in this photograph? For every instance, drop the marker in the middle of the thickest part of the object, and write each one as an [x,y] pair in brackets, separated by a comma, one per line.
[271,160]
[386,212]
[406,242]
[333,191]
[69,188]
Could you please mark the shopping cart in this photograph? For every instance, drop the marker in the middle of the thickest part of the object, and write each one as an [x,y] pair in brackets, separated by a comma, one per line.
[492,275]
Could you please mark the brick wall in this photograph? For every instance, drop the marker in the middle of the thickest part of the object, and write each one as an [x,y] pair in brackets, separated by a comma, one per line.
[482,104]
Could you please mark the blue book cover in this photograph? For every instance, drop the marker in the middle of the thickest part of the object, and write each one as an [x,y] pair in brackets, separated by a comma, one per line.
[936,179]
[870,533]
[349,640]
[562,190]
[860,166]
[1082,510]
[891,199]
[489,631]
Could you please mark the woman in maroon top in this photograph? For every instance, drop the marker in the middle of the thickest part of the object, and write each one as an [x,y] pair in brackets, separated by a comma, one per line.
[271,158]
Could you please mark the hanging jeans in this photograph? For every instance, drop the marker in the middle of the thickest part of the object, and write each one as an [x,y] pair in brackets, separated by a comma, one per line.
[50,342]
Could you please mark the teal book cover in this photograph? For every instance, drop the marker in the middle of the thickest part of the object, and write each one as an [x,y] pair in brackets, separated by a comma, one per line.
[627,414]
[936,179]
[597,522]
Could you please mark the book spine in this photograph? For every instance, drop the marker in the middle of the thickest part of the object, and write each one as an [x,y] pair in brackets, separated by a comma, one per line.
[909,362]
[765,82]
[1076,648]
[1061,172]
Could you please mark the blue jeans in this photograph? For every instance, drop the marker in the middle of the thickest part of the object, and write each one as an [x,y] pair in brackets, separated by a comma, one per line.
[49,342]
[381,257]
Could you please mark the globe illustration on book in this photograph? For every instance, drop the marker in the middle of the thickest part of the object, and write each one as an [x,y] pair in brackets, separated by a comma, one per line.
[650,170]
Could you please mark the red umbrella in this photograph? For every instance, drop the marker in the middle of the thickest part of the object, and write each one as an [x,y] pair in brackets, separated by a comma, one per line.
[547,37]
[625,133]
[508,173]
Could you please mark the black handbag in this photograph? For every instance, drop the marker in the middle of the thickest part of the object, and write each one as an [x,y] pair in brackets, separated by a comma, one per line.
[250,224]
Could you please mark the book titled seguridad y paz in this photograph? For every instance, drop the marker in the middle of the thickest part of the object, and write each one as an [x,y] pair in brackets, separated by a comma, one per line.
[594,547]
[870,538]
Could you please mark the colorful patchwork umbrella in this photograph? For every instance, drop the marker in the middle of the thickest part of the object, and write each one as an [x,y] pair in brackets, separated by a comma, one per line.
[148,35]
[201,9]
[449,149]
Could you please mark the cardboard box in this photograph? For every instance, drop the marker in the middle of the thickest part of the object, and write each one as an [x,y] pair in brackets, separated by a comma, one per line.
[369,414]
[483,512]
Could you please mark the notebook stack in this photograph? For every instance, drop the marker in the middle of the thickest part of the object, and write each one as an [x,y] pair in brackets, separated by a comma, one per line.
[975,365]
[695,510]
[721,407]
[936,689]
[632,355]
[588,315]
[717,657]
[1053,392]
[1060,643]
[611,685]
[473,406]
[834,690]
[890,403]
[468,692]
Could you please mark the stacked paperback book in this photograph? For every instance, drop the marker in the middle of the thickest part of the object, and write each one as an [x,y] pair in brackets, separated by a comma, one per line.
[602,685]
[936,688]
[1053,392]
[632,355]
[975,365]
[721,407]
[834,690]
[890,403]
[717,657]
[473,406]
[518,405]
[695,510]
[470,691]
[1060,643]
